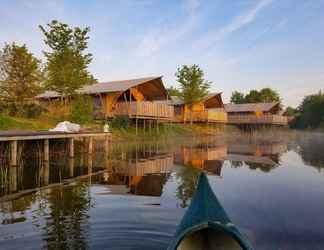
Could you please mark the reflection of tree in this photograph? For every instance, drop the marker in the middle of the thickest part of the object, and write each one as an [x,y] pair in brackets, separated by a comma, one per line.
[66,221]
[263,167]
[236,164]
[311,150]
[187,182]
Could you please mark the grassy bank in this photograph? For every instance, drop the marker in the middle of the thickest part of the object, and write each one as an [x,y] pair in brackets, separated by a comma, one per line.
[18,123]
[166,131]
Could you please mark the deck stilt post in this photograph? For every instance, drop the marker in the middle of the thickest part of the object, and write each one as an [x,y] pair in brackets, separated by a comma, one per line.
[13,153]
[150,127]
[136,121]
[90,145]
[46,150]
[144,126]
[71,147]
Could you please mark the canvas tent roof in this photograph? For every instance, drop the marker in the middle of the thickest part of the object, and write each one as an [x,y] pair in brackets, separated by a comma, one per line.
[106,87]
[176,100]
[249,107]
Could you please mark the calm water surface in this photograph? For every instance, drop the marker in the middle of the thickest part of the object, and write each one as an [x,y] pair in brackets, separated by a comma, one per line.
[132,196]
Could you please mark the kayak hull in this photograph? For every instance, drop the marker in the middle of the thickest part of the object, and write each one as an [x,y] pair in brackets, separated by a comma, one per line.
[206,225]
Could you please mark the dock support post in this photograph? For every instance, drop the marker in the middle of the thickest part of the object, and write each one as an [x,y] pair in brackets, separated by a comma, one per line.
[71,167]
[46,150]
[71,147]
[13,179]
[13,153]
[90,145]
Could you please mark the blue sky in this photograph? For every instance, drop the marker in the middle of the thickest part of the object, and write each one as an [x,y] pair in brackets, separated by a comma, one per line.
[240,44]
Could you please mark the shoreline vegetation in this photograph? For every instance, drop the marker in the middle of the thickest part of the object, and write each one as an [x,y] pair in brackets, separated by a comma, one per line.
[165,132]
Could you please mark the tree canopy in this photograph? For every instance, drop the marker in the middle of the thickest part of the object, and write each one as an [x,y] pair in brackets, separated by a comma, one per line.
[67,61]
[311,112]
[264,95]
[237,97]
[20,76]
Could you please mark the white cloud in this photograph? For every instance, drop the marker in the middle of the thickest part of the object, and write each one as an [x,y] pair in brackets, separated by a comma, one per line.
[159,37]
[237,23]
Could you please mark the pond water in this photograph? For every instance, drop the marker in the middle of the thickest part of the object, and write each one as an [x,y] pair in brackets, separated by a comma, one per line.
[132,196]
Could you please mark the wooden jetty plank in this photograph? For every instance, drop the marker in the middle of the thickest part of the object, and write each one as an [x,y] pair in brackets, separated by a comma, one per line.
[21,136]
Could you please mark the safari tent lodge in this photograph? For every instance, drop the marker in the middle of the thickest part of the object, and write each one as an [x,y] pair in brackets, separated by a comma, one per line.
[255,113]
[136,98]
[209,110]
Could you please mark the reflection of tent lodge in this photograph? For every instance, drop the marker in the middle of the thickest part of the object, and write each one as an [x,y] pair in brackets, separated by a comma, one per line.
[262,154]
[209,159]
[211,109]
[144,176]
[134,98]
[255,113]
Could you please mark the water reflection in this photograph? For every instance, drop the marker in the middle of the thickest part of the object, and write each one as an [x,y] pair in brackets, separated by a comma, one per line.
[55,199]
[311,149]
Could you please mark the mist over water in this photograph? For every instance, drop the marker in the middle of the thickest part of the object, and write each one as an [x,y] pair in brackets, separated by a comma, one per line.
[134,195]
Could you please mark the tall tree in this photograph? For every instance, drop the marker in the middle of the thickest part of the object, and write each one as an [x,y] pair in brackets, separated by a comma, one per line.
[312,111]
[193,86]
[67,61]
[237,97]
[264,95]
[20,76]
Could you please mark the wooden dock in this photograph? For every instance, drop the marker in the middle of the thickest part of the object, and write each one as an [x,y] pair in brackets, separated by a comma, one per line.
[13,137]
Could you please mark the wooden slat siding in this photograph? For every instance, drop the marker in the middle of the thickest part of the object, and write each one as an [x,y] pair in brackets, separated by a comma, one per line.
[209,116]
[144,110]
[254,119]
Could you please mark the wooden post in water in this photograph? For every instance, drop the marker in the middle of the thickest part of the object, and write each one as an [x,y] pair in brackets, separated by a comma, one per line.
[71,166]
[13,178]
[13,153]
[46,150]
[71,147]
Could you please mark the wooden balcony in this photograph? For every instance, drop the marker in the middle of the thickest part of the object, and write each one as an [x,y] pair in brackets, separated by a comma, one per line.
[144,110]
[254,119]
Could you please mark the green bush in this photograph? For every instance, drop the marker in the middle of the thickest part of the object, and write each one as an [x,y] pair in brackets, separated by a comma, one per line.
[120,122]
[82,109]
[32,110]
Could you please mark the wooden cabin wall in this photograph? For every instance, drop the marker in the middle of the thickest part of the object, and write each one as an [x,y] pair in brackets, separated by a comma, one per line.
[197,107]
[109,100]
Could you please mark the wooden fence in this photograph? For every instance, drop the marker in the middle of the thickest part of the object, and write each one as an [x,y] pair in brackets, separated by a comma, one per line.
[254,119]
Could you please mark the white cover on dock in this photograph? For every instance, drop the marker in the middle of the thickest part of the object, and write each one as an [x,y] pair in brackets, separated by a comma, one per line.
[66,126]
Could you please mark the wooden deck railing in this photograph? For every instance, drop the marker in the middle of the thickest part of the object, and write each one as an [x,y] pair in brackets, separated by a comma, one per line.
[144,109]
[209,116]
[254,119]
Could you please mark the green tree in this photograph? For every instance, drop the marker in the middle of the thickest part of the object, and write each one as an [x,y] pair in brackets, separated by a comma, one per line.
[193,86]
[253,96]
[20,77]
[237,97]
[290,111]
[67,61]
[312,111]
[269,95]
[173,91]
